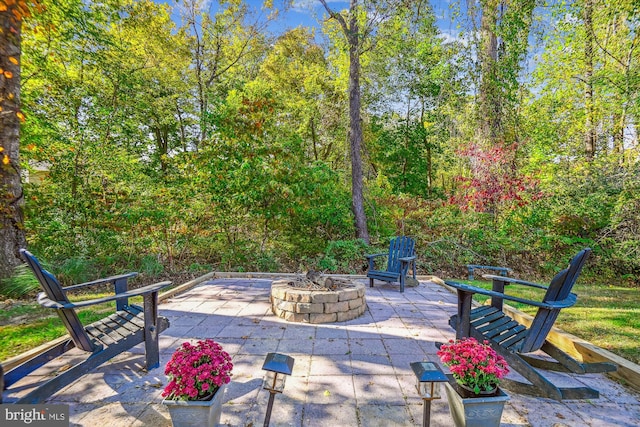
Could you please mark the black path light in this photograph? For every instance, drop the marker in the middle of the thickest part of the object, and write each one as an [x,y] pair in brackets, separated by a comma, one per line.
[428,376]
[278,366]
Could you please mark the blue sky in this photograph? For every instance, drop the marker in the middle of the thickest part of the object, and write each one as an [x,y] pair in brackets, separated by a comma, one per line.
[308,12]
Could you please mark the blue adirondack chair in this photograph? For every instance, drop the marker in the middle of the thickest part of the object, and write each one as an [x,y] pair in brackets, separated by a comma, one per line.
[515,342]
[100,341]
[400,258]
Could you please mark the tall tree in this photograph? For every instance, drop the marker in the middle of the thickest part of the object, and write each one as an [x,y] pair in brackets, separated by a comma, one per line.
[501,48]
[589,127]
[219,44]
[12,235]
[358,26]
[489,101]
[352,32]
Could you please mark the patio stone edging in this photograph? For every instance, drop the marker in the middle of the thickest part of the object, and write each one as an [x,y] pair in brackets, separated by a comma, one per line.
[628,372]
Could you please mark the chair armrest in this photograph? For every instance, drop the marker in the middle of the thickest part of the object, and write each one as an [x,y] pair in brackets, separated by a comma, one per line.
[509,280]
[375,255]
[102,281]
[407,259]
[567,302]
[44,301]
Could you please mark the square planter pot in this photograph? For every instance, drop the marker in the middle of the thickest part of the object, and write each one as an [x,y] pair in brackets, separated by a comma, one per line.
[196,413]
[475,411]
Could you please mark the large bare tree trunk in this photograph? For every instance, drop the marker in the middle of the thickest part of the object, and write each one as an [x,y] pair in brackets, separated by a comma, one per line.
[351,32]
[590,129]
[12,235]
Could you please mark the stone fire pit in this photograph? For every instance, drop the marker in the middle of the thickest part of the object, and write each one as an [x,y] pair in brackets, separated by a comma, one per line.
[317,299]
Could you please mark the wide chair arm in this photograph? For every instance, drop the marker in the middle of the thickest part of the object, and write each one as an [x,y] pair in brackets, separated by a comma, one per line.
[370,259]
[511,280]
[110,279]
[468,289]
[44,301]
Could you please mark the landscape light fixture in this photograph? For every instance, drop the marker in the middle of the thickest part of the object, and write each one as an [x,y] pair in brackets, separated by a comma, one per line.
[428,376]
[278,366]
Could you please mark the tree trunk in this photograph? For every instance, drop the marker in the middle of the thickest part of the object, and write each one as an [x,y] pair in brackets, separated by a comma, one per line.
[12,235]
[489,98]
[590,130]
[355,131]
[351,32]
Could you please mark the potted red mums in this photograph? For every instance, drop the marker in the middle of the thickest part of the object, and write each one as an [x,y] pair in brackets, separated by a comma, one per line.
[472,391]
[197,377]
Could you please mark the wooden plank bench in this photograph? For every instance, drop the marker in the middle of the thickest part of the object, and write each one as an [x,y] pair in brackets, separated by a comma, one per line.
[503,271]
[98,342]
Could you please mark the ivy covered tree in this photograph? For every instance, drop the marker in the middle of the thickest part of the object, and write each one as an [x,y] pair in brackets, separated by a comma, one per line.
[12,230]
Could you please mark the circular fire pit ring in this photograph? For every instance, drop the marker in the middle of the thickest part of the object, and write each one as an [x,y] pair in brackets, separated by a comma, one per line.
[317,306]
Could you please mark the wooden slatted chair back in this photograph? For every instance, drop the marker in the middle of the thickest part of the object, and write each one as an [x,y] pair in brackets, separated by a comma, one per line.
[559,289]
[400,247]
[55,292]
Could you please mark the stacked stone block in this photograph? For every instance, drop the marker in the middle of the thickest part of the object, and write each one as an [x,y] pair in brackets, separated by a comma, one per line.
[317,306]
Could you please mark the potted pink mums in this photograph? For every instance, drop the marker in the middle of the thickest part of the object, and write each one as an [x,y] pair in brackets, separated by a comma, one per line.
[197,375]
[472,390]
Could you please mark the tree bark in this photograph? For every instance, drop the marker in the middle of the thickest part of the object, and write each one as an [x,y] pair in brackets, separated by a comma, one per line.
[351,32]
[489,98]
[590,130]
[12,235]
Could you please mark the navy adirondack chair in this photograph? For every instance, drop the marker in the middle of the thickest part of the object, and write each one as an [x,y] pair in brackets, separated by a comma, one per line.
[400,258]
[102,340]
[515,341]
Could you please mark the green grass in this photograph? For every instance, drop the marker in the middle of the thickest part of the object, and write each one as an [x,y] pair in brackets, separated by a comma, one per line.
[605,315]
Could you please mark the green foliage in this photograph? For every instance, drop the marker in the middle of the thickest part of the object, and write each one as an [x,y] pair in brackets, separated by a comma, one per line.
[76,270]
[165,151]
[344,256]
[149,265]
[21,284]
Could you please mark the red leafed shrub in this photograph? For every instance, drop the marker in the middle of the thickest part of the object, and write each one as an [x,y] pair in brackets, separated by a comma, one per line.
[494,181]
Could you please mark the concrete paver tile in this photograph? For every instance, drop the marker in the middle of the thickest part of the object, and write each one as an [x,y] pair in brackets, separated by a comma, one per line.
[365,364]
[241,415]
[156,415]
[204,331]
[328,346]
[331,331]
[545,412]
[378,390]
[325,415]
[243,390]
[383,415]
[287,346]
[439,413]
[330,365]
[608,414]
[403,346]
[259,346]
[295,331]
[330,389]
[367,332]
[367,346]
[269,330]
[118,414]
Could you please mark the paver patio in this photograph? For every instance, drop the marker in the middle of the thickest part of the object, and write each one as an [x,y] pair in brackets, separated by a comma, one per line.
[354,373]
